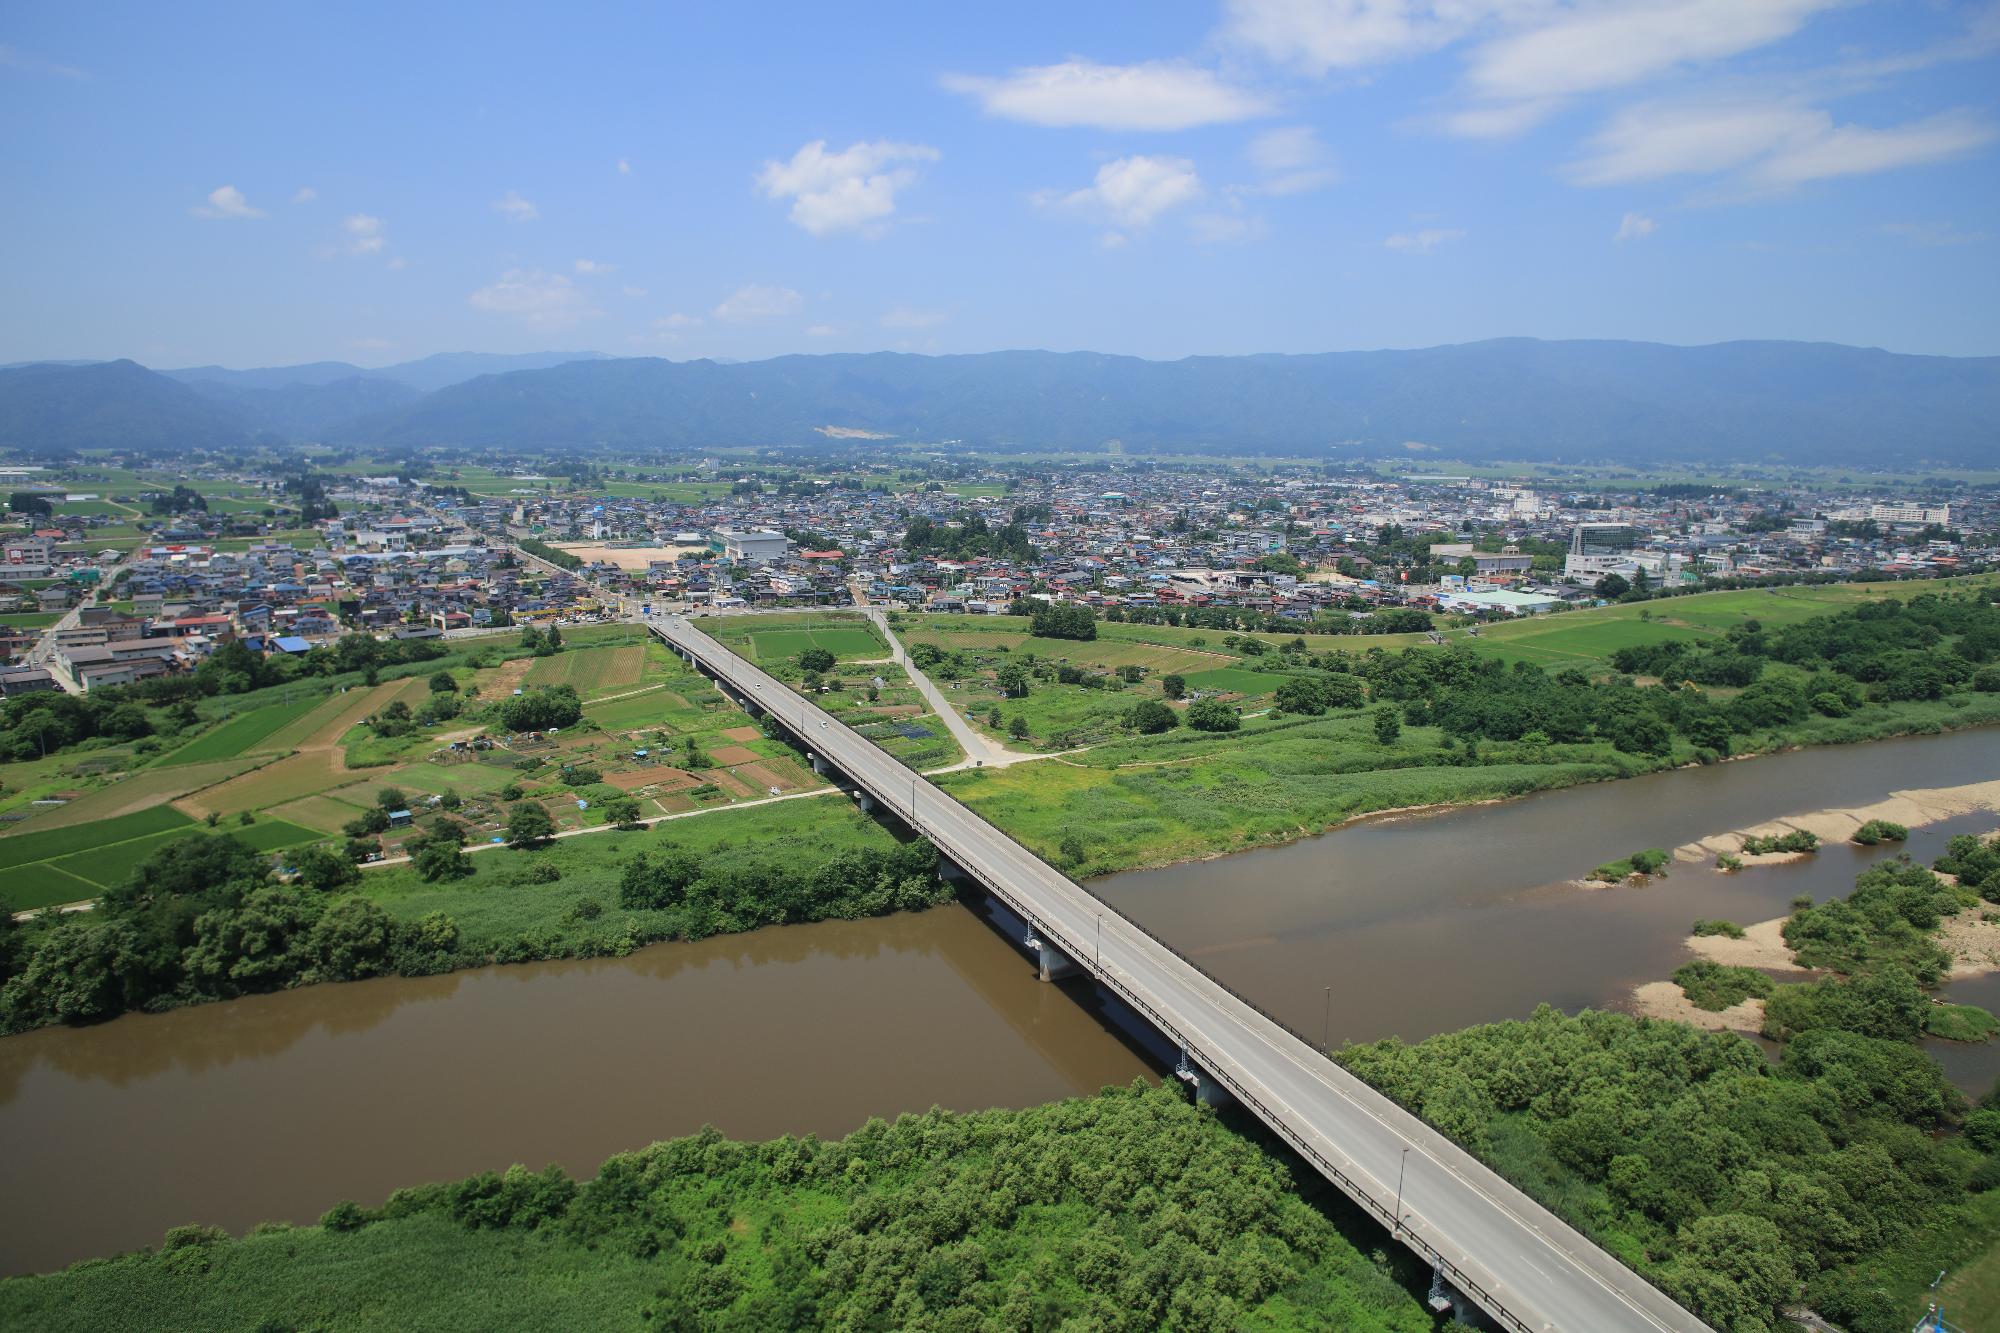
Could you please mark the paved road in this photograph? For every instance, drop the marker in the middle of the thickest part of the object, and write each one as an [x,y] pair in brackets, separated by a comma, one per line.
[1514,1258]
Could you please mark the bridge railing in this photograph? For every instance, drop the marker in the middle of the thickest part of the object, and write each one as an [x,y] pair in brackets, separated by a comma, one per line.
[1277,1121]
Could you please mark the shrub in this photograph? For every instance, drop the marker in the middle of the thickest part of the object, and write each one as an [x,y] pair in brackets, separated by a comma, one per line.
[1716,926]
[1798,840]
[1714,986]
[1879,831]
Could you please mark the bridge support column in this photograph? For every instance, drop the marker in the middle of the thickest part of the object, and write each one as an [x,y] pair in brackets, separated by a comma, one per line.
[1052,963]
[819,764]
[1208,1089]
[865,801]
[950,871]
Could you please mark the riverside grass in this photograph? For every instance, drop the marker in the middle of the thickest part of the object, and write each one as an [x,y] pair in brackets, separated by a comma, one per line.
[1102,1212]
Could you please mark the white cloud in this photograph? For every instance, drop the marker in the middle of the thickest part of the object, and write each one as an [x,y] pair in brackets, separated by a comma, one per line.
[756,302]
[1636,227]
[1291,161]
[1131,191]
[1319,36]
[1772,145]
[1225,228]
[908,317]
[226,203]
[1860,150]
[1158,95]
[539,300]
[1113,240]
[305,194]
[1590,49]
[1931,233]
[624,167]
[14,58]
[515,209]
[852,190]
[1422,242]
[365,235]
[591,266]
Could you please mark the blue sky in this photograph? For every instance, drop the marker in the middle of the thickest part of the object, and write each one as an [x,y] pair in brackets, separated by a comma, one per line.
[257,184]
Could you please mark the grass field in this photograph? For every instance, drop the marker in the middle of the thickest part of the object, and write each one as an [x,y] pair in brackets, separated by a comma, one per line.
[148,788]
[306,774]
[21,849]
[1235,680]
[246,733]
[844,642]
[30,619]
[591,671]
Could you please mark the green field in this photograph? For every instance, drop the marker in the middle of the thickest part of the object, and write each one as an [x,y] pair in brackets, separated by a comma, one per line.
[847,643]
[591,671]
[30,619]
[246,733]
[21,849]
[1235,680]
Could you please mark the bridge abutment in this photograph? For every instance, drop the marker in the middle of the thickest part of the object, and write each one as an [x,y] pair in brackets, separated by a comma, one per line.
[1052,963]
[1208,1089]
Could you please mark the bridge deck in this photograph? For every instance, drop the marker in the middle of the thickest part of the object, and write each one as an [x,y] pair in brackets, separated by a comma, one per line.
[1518,1261]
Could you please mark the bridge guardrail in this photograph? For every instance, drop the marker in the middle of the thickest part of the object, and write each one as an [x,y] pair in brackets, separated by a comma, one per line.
[1277,1121]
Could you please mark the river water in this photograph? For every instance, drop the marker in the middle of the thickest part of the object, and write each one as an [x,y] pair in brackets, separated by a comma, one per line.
[278,1106]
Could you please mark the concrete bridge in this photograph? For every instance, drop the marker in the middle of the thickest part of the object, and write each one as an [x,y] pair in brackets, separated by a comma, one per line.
[1488,1242]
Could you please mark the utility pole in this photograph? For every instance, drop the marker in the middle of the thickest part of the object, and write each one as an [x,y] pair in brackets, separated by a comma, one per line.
[1401,1167]
[1326,1023]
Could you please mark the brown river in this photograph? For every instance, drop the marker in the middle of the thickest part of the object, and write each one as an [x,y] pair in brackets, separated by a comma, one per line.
[278,1106]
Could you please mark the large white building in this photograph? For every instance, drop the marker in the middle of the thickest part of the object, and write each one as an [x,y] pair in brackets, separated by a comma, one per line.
[758,546]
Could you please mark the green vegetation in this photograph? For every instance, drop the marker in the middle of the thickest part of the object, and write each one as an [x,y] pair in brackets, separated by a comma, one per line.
[245,733]
[1960,1022]
[1729,1181]
[1716,926]
[1126,1211]
[1714,986]
[1798,840]
[1879,831]
[1888,921]
[1639,865]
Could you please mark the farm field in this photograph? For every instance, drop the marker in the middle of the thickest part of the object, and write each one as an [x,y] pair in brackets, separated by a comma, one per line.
[591,671]
[143,790]
[1240,681]
[777,638]
[30,619]
[247,733]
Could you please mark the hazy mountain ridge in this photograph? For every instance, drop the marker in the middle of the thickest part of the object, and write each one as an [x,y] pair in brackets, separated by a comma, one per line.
[1508,398]
[1516,398]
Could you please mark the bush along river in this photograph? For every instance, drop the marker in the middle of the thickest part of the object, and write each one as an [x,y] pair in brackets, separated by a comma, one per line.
[277,1106]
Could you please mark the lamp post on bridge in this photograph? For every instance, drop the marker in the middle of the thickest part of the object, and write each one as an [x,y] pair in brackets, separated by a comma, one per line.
[1401,1167]
[1326,1023]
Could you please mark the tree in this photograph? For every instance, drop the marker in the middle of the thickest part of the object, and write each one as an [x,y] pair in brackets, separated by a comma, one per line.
[1017,727]
[323,870]
[1212,715]
[443,683]
[1012,678]
[391,799]
[1173,687]
[1062,620]
[622,811]
[1388,724]
[539,710]
[650,884]
[816,659]
[528,825]
[1611,587]
[1301,694]
[1150,717]
[27,502]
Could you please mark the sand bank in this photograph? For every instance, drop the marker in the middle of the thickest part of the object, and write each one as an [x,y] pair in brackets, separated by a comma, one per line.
[1913,809]
[1663,999]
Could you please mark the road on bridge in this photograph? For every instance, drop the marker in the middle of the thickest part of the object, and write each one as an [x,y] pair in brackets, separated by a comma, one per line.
[1511,1256]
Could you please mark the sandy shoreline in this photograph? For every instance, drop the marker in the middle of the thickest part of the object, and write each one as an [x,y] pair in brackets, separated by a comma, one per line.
[1912,808]
[1663,999]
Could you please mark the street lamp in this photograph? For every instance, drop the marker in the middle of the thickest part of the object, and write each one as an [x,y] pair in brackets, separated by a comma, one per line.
[1100,941]
[1326,1023]
[1401,1167]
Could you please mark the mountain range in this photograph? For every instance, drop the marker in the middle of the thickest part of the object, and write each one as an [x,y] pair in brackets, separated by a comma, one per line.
[1513,398]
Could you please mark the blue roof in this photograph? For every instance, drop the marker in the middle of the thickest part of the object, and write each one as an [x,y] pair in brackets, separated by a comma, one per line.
[292,643]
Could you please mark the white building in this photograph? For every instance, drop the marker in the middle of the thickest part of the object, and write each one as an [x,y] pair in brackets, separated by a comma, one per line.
[758,546]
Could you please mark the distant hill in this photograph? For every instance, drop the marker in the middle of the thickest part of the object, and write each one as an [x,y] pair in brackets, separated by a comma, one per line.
[431,372]
[1511,398]
[307,411]
[57,409]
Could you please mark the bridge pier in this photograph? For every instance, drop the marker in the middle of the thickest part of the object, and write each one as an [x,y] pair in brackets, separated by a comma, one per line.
[1208,1089]
[1052,964]
[864,801]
